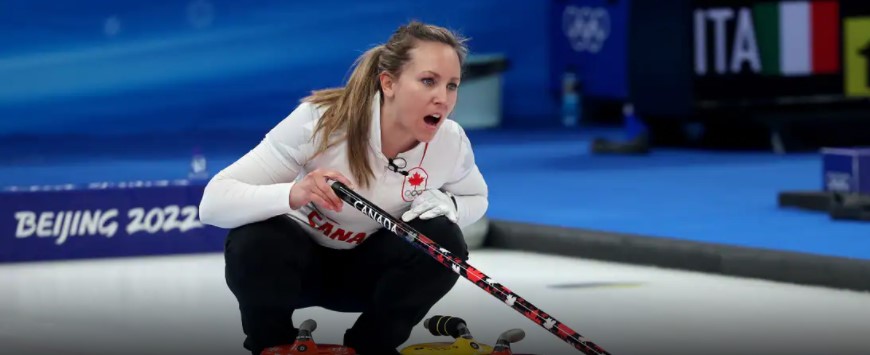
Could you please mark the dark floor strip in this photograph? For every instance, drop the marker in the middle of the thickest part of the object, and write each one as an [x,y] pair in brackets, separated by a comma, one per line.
[782,266]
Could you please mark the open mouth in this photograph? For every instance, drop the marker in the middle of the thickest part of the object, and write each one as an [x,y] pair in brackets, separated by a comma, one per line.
[432,120]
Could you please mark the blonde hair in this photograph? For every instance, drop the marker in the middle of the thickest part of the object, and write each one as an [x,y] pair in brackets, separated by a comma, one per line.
[349,108]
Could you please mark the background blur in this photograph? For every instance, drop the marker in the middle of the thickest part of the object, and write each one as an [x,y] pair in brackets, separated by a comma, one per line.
[101,67]
[105,94]
[710,135]
[107,67]
[110,104]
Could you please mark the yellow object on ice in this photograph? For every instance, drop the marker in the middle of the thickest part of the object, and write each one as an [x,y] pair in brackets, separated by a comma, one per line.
[462,346]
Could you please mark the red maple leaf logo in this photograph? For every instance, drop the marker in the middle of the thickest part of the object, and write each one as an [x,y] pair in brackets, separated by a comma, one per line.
[415,180]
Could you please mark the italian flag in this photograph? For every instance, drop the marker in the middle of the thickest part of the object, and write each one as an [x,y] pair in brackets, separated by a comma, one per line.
[798,37]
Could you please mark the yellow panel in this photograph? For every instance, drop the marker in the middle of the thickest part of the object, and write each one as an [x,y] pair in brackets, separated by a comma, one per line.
[856,52]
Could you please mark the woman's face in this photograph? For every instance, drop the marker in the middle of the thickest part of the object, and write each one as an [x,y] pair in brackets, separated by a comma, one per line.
[425,92]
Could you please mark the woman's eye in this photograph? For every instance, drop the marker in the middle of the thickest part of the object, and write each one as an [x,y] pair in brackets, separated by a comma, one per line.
[428,81]
[452,86]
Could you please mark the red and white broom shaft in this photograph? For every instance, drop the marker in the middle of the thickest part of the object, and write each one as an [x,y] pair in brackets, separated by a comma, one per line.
[446,258]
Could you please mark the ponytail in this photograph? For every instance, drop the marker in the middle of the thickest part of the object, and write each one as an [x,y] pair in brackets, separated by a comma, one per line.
[350,108]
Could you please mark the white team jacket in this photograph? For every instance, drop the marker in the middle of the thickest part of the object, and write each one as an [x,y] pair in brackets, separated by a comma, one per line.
[257,186]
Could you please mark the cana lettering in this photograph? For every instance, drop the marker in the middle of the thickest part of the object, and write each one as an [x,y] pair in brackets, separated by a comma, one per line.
[329,230]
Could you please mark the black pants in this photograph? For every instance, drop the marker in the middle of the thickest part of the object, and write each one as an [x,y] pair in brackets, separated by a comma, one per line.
[274,268]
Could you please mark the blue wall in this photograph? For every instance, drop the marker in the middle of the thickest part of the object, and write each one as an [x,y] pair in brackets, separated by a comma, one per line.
[99,66]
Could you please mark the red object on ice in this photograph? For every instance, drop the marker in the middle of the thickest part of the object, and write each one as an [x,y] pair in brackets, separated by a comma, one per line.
[309,348]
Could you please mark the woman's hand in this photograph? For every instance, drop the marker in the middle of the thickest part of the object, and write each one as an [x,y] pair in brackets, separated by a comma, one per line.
[315,188]
[430,204]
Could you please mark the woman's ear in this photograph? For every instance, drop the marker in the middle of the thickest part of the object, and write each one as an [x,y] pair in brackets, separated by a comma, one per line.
[387,83]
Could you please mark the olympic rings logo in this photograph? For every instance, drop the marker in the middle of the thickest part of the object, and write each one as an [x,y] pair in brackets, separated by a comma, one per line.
[586,28]
[412,193]
[415,183]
